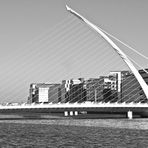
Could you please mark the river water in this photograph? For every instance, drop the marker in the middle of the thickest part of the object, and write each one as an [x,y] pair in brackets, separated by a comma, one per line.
[72,133]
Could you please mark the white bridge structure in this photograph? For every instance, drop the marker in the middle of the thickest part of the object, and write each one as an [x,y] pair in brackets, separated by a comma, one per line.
[73,109]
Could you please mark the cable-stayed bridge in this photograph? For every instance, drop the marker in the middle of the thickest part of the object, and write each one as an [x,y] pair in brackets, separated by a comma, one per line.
[73,109]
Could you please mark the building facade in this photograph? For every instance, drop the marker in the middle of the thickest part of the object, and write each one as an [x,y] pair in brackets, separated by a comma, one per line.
[131,90]
[119,86]
[119,77]
[73,91]
[41,92]
[94,89]
[55,93]
[102,89]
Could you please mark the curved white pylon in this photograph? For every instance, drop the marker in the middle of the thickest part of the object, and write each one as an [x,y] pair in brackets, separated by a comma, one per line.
[116,48]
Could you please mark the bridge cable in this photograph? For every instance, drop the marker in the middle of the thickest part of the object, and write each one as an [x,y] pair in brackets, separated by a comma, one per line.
[128,46]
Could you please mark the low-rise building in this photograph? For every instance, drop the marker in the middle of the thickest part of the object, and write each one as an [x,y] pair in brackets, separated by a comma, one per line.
[41,92]
[73,91]
[94,89]
[131,89]
[119,77]
[55,93]
[121,86]
[102,89]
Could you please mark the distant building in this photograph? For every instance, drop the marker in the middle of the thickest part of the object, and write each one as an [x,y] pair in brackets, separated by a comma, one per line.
[41,92]
[73,91]
[119,77]
[131,89]
[94,89]
[144,75]
[101,89]
[121,86]
[109,89]
[55,93]
[68,91]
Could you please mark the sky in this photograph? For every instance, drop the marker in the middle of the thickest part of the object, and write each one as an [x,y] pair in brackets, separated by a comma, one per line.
[40,42]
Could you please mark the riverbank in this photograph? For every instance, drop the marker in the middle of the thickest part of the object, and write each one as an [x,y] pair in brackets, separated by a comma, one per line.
[139,124]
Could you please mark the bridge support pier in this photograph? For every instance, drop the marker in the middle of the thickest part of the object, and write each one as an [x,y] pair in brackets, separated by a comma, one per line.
[65,113]
[71,113]
[130,114]
[76,113]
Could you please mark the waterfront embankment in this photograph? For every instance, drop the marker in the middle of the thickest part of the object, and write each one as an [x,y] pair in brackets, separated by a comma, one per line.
[141,124]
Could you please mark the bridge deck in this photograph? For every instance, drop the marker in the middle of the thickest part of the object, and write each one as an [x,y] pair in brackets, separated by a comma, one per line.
[100,107]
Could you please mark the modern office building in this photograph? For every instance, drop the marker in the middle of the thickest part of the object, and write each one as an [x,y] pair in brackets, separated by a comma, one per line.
[119,86]
[118,77]
[73,91]
[41,92]
[131,90]
[144,75]
[101,89]
[68,91]
[54,93]
[94,89]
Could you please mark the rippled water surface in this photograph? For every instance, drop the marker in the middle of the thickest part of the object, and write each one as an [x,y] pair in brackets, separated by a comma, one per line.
[52,134]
